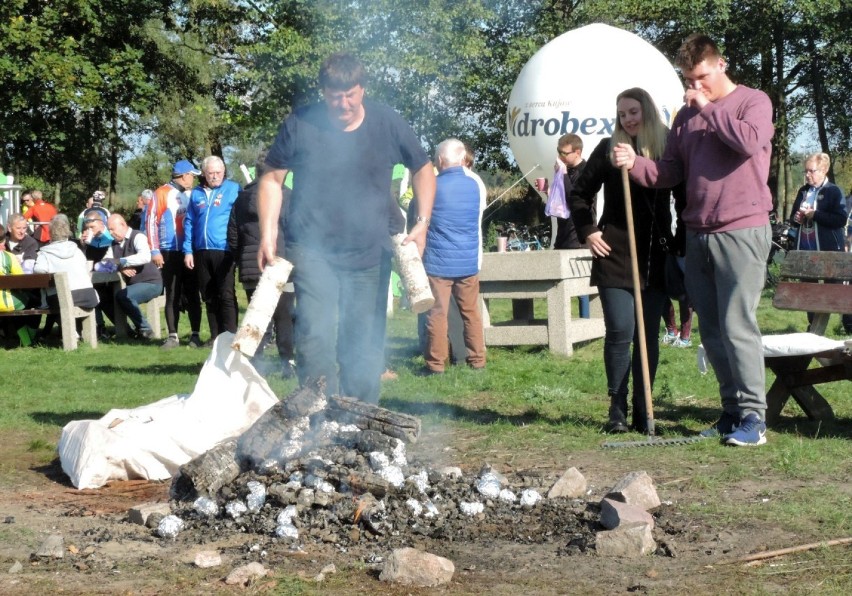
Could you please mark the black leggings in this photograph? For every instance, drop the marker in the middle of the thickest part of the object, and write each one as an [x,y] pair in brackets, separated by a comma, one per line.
[621,331]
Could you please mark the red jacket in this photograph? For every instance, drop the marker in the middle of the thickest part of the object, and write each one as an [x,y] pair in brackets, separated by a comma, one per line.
[42,212]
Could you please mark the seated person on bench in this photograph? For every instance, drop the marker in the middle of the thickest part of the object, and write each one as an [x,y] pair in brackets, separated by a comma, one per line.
[132,254]
[63,255]
[96,242]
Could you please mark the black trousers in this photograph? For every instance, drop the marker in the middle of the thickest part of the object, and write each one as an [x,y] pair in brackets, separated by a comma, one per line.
[215,273]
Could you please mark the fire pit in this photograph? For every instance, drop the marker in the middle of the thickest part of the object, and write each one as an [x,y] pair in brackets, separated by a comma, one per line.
[318,469]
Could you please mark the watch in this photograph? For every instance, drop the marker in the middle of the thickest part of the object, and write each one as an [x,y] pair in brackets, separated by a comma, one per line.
[420,219]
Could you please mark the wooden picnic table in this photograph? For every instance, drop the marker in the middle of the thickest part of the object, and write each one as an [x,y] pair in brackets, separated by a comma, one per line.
[817,282]
[68,313]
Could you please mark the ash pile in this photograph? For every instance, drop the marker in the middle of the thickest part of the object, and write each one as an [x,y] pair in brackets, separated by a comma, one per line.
[335,470]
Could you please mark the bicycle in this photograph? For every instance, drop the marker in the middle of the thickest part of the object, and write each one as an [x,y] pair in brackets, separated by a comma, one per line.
[781,245]
[519,238]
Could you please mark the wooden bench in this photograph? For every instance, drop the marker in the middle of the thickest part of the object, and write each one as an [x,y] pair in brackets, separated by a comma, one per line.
[152,307]
[68,313]
[802,288]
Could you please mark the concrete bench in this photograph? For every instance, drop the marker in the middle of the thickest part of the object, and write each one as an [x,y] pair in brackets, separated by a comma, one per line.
[68,313]
[553,275]
[802,288]
[152,307]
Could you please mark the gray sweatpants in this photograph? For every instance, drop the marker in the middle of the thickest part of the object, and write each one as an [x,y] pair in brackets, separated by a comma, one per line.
[725,274]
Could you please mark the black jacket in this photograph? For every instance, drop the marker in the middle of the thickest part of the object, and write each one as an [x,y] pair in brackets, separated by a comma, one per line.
[651,218]
[28,247]
[244,233]
[829,216]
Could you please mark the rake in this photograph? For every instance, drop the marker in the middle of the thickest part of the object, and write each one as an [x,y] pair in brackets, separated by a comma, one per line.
[651,441]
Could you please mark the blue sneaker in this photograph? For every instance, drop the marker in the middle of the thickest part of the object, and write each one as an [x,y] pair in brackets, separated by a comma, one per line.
[750,432]
[724,426]
[682,343]
[669,338]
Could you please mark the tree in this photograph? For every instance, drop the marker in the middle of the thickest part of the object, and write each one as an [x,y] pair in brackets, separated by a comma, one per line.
[83,71]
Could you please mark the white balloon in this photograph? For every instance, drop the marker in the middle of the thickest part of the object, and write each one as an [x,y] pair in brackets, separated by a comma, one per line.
[570,85]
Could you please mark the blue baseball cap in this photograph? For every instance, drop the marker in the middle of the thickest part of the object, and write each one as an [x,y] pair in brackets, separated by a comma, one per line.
[185,167]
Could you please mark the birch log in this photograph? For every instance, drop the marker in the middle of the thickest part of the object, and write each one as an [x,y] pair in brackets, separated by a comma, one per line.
[262,306]
[413,274]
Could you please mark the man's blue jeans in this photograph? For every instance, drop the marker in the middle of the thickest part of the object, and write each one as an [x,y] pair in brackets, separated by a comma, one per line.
[132,296]
[335,328]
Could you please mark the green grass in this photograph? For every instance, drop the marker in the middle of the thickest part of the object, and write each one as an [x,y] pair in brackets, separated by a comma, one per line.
[528,406]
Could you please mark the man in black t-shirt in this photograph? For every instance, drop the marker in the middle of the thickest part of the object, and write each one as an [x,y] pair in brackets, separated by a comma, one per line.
[342,153]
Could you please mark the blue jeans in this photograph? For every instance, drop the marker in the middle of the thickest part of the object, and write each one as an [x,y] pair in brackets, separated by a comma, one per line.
[335,331]
[584,306]
[132,296]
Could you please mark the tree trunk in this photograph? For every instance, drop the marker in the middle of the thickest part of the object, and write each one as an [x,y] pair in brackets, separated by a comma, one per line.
[113,162]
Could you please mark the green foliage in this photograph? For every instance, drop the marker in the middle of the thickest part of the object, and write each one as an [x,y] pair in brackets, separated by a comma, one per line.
[88,80]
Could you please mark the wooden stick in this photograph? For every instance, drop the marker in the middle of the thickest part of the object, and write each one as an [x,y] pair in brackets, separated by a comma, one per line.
[262,306]
[637,299]
[413,275]
[786,551]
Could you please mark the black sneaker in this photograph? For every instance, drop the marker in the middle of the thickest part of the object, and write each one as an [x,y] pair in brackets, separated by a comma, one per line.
[195,342]
[724,426]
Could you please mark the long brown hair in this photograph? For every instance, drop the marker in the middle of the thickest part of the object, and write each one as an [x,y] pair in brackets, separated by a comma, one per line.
[651,139]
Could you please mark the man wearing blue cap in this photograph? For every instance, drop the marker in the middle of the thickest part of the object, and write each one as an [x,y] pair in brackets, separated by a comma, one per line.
[164,229]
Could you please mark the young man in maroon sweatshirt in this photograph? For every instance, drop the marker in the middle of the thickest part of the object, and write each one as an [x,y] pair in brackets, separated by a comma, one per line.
[720,145]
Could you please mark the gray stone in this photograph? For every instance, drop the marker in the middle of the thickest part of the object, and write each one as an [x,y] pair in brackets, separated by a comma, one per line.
[140,513]
[327,570]
[616,513]
[451,472]
[53,547]
[572,484]
[629,540]
[636,488]
[241,576]
[207,558]
[16,567]
[413,567]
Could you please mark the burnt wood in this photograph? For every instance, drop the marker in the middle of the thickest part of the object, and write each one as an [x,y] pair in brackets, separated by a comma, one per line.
[207,473]
[372,417]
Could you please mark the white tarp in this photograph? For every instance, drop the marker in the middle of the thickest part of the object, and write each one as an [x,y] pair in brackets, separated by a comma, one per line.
[151,442]
[787,344]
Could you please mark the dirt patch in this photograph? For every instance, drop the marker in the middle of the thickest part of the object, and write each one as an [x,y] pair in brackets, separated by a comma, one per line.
[502,554]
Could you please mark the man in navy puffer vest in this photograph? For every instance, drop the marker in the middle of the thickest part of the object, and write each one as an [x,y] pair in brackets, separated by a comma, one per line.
[453,257]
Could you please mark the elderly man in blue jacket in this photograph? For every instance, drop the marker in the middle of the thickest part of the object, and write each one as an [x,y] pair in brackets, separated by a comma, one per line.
[205,244]
[453,257]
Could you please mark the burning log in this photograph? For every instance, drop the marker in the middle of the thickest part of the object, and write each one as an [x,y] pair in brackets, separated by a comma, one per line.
[367,482]
[413,275]
[369,417]
[293,427]
[279,433]
[207,473]
[262,306]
